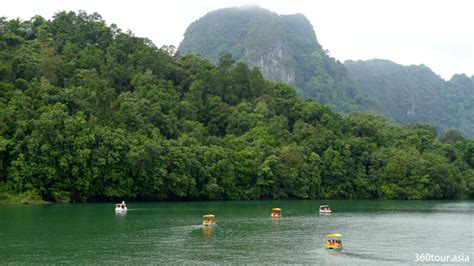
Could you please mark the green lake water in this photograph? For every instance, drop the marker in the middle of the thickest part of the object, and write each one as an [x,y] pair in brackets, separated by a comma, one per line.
[374,232]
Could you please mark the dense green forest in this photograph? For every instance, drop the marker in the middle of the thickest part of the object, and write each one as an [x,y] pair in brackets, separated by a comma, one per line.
[283,47]
[415,94]
[88,112]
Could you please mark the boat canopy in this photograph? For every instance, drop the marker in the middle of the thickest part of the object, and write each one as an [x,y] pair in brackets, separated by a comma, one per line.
[323,206]
[209,216]
[276,209]
[334,235]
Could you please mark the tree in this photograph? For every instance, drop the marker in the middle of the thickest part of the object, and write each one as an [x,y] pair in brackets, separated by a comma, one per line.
[452,136]
[115,118]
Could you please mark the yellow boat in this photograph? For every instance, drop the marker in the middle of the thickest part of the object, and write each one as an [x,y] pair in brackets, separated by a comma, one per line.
[334,244]
[209,219]
[276,212]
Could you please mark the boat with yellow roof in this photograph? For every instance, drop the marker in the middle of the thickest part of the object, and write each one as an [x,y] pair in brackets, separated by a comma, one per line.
[209,219]
[334,244]
[276,212]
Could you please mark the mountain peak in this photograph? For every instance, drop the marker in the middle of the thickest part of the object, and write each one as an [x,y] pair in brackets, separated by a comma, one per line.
[283,47]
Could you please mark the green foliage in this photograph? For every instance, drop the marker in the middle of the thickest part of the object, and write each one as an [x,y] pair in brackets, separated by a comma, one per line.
[414,94]
[90,113]
[452,136]
[283,47]
[29,197]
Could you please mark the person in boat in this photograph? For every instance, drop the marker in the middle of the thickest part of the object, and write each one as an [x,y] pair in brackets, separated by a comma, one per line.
[334,242]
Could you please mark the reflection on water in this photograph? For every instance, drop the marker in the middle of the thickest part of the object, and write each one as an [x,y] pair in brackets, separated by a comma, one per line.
[276,224]
[207,231]
[335,252]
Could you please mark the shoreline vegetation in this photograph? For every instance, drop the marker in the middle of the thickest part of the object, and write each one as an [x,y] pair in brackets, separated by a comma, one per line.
[25,198]
[90,113]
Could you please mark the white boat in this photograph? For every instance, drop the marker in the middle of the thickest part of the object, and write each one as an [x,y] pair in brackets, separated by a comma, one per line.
[324,209]
[120,207]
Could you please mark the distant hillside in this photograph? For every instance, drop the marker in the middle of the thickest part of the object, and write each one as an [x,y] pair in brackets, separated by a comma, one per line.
[415,94]
[285,49]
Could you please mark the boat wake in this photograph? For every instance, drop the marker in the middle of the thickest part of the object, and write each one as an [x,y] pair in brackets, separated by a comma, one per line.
[370,257]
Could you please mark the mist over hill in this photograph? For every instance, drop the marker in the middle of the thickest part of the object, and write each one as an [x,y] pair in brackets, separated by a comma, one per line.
[415,94]
[283,47]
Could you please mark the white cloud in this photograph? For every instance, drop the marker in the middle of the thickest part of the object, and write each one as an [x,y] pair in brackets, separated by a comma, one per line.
[438,34]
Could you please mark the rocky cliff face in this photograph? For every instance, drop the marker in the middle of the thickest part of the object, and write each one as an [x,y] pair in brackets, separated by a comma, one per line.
[283,47]
[273,57]
[276,64]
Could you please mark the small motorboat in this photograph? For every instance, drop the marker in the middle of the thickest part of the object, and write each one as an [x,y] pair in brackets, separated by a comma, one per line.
[209,219]
[120,207]
[334,244]
[324,209]
[276,212]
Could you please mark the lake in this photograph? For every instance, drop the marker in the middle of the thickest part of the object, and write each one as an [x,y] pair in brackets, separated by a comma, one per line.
[374,232]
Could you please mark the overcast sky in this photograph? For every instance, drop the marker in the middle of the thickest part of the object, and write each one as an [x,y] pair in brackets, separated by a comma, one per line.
[437,33]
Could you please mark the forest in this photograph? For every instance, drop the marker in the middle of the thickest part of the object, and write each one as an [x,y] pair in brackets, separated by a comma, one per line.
[91,113]
[283,47]
[415,94]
